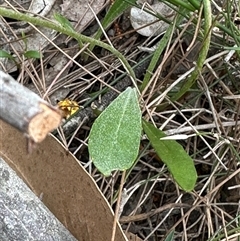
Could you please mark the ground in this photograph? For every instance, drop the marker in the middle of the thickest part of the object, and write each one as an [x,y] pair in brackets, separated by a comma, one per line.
[203,107]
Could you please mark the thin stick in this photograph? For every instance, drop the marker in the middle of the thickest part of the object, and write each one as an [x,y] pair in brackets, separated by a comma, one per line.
[116,217]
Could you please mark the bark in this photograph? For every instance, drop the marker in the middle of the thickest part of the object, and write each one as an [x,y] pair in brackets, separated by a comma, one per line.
[25,110]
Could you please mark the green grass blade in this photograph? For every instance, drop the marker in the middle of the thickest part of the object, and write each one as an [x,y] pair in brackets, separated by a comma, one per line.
[202,54]
[116,9]
[157,53]
[195,3]
[183,4]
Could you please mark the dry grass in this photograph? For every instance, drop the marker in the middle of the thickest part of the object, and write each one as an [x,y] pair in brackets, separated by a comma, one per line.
[152,203]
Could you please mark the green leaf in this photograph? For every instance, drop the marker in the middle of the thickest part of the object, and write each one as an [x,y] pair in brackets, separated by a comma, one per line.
[170,236]
[115,135]
[5,54]
[32,54]
[179,163]
[63,21]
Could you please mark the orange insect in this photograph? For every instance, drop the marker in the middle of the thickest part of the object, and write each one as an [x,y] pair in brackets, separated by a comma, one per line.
[68,107]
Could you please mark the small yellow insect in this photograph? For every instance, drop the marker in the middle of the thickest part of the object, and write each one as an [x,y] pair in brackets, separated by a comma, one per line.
[68,107]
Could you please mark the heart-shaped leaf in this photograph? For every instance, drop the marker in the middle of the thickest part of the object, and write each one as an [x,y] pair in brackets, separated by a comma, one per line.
[115,135]
[179,163]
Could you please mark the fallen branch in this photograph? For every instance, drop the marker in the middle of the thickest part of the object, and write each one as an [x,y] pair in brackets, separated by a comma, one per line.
[25,110]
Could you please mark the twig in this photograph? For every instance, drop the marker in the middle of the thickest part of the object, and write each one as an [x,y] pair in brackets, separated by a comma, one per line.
[88,114]
[25,110]
[143,216]
[116,216]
